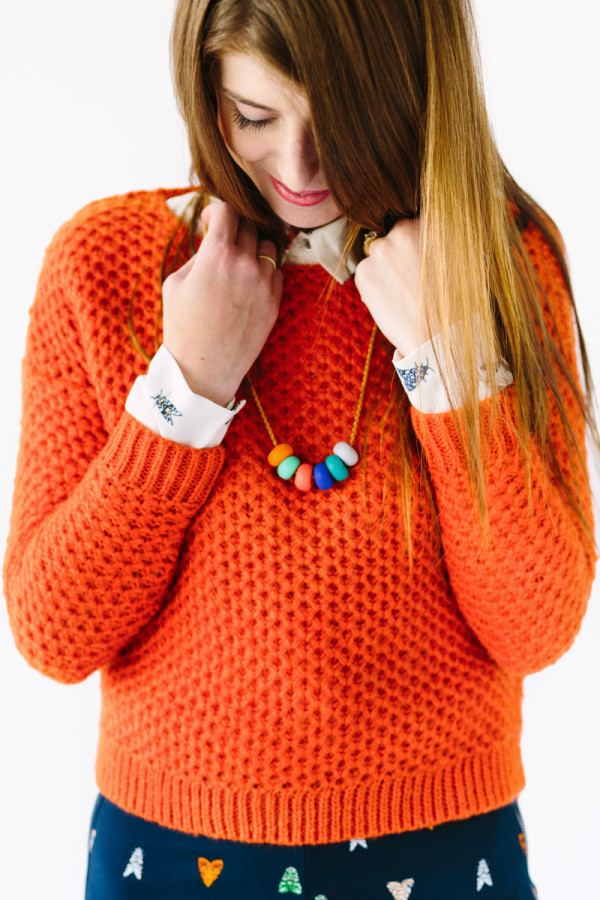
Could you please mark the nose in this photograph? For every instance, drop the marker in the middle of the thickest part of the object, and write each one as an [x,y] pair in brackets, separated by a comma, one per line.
[298,162]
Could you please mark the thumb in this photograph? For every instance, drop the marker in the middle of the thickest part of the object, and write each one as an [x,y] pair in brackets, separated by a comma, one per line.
[185,268]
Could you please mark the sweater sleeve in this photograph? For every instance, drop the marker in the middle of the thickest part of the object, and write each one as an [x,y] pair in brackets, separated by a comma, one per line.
[98,518]
[524,587]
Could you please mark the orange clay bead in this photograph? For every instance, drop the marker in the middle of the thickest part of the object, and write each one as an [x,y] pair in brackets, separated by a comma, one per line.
[303,479]
[279,453]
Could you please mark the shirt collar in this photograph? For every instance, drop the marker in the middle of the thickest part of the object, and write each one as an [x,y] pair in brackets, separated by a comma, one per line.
[323,246]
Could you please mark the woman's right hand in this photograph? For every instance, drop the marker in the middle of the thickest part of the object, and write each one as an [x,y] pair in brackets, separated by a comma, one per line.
[220,307]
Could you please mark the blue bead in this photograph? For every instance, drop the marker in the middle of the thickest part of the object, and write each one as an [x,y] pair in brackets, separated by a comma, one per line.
[322,477]
[336,467]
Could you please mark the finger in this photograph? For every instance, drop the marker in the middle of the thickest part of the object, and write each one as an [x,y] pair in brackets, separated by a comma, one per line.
[374,246]
[277,282]
[268,249]
[247,238]
[222,221]
[207,213]
[406,230]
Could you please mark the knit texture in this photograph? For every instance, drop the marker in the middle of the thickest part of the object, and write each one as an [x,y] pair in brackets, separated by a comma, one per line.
[273,668]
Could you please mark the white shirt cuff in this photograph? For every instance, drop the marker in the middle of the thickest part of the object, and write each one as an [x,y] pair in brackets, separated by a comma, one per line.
[424,372]
[162,401]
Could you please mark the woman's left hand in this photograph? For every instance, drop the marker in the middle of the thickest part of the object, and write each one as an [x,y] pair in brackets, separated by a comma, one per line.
[388,281]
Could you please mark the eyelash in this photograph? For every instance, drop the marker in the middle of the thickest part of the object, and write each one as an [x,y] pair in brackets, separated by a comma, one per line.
[252,124]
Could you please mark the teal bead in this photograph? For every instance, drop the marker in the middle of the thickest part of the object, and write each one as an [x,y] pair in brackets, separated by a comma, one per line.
[287,468]
[336,467]
[322,476]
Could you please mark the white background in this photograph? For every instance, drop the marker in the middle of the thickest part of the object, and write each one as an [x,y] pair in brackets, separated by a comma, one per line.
[87,111]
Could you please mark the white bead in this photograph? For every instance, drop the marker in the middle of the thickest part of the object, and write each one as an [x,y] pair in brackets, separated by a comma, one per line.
[346,453]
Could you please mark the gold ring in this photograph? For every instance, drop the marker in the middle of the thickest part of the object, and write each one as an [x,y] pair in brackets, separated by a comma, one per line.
[270,258]
[368,240]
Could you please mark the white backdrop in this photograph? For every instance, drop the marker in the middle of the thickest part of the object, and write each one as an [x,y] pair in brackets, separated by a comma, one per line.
[87,111]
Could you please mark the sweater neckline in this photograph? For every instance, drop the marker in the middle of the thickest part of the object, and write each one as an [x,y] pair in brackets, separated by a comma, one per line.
[322,246]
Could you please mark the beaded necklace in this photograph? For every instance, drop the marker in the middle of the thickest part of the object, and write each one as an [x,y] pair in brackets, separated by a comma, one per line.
[336,466]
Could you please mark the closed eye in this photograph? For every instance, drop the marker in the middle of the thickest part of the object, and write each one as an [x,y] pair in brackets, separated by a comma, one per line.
[243,122]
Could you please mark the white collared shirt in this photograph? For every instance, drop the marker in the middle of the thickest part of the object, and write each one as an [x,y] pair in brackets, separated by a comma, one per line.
[162,401]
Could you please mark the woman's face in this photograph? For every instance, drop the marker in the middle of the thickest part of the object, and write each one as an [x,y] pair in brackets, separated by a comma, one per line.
[265,121]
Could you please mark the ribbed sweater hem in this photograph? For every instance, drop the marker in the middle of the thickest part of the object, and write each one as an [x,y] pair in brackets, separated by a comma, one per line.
[473,785]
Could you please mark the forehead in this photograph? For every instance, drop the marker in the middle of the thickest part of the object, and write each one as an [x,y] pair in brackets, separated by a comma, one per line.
[252,78]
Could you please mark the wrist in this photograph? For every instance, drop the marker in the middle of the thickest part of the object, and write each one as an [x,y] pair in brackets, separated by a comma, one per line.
[220,394]
[202,380]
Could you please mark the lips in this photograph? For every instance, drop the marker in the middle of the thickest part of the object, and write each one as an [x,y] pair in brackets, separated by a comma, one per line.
[302,198]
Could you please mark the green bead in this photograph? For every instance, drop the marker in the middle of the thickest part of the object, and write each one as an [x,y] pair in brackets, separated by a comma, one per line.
[336,467]
[287,468]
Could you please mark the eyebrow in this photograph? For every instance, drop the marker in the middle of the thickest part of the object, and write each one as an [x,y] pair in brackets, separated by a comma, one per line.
[243,100]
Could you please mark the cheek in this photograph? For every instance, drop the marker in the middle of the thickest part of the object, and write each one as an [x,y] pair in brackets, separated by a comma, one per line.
[250,147]
[246,147]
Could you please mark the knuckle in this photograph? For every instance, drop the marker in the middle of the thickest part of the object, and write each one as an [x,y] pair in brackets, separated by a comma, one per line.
[403,231]
[384,248]
[222,255]
[362,271]
[247,267]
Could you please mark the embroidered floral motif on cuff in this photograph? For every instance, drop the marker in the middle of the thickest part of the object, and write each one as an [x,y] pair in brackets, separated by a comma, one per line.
[412,377]
[167,409]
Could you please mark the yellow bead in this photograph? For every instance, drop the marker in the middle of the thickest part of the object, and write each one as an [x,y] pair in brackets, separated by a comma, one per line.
[279,453]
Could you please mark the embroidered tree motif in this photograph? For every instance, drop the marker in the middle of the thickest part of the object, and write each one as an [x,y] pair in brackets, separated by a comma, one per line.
[483,875]
[357,842]
[415,375]
[165,407]
[135,864]
[401,890]
[290,882]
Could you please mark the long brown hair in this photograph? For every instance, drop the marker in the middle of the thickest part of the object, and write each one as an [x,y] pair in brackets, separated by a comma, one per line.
[402,130]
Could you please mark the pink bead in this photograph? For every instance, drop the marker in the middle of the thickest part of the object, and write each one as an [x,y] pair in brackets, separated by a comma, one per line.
[303,479]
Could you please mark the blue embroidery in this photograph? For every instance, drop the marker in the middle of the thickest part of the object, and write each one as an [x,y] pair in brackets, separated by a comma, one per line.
[166,408]
[414,376]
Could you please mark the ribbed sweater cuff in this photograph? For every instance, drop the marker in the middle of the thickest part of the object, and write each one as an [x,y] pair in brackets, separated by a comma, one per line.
[439,439]
[171,471]
[439,435]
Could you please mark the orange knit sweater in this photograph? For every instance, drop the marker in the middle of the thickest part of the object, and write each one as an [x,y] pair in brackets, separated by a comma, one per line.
[273,669]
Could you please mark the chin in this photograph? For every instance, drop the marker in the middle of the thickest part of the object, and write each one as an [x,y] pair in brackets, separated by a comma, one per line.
[311,217]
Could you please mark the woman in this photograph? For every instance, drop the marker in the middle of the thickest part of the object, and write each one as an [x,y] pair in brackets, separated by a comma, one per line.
[297,674]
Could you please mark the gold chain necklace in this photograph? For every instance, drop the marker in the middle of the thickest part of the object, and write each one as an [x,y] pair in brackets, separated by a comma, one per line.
[336,466]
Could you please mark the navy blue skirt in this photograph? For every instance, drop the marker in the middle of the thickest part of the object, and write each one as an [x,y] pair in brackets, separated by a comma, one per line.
[487,854]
